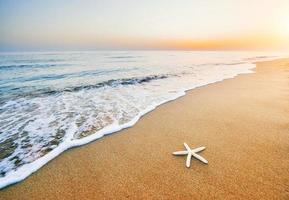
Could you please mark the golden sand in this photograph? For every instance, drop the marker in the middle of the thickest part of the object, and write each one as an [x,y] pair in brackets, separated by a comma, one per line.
[243,122]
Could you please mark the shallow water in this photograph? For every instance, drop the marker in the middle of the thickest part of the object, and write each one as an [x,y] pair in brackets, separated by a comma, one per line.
[52,101]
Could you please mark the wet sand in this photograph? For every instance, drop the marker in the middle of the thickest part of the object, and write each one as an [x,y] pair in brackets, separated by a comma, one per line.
[243,122]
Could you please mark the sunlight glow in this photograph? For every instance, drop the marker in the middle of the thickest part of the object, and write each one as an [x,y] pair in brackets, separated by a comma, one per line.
[150,24]
[285,26]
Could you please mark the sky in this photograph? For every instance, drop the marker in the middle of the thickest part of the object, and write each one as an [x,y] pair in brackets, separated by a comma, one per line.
[144,24]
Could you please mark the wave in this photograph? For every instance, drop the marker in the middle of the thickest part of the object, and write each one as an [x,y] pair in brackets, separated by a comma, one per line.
[31,92]
[123,57]
[118,82]
[30,66]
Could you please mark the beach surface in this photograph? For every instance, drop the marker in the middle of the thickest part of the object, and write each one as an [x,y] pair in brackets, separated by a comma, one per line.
[242,122]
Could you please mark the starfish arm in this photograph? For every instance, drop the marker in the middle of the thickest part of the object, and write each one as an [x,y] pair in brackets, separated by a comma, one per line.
[187,147]
[188,162]
[200,158]
[180,153]
[196,150]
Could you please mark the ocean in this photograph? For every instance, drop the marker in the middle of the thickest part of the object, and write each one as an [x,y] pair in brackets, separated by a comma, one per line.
[52,101]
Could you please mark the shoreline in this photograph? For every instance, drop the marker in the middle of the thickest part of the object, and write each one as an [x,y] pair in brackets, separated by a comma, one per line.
[27,170]
[205,112]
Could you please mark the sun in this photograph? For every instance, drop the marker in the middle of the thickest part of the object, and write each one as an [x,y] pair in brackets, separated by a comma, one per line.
[284,26]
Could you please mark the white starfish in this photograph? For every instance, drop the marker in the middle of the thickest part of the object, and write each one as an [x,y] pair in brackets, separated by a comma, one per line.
[191,152]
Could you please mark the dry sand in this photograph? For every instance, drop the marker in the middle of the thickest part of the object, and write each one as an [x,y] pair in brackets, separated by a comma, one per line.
[243,122]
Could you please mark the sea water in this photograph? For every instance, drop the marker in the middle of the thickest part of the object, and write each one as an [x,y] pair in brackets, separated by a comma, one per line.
[52,101]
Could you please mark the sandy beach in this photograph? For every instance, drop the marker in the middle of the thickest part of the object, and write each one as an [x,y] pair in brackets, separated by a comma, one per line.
[243,122]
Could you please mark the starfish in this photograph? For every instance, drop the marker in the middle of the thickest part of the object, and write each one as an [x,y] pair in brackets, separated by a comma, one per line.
[191,152]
